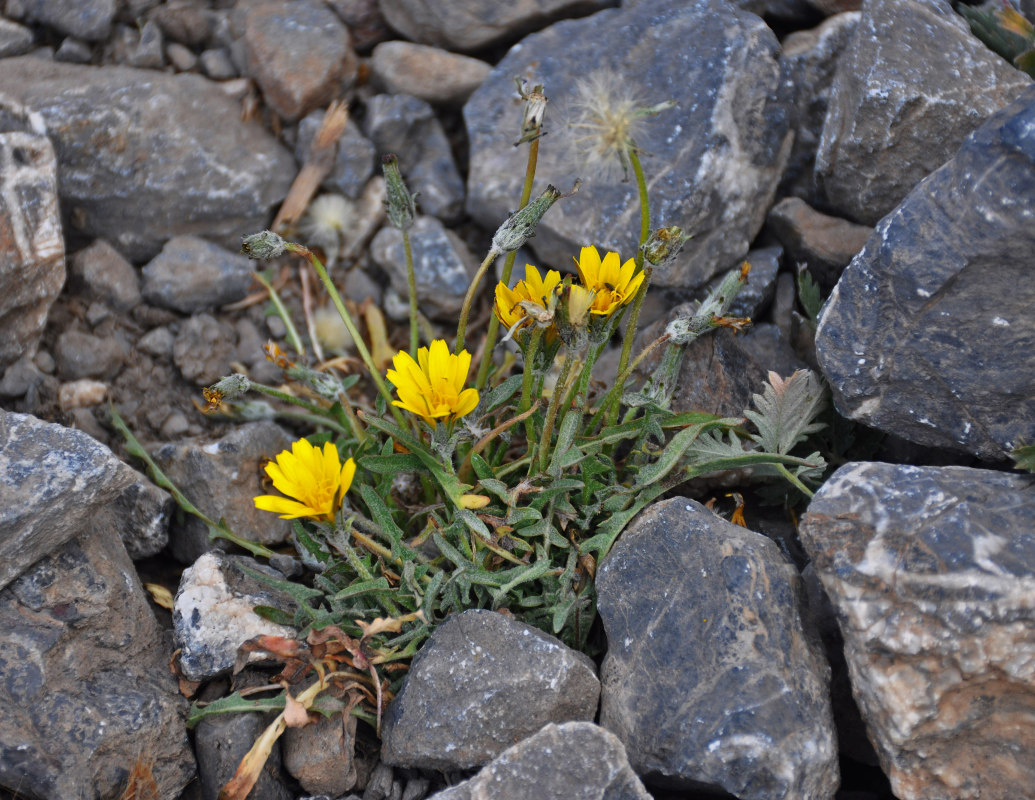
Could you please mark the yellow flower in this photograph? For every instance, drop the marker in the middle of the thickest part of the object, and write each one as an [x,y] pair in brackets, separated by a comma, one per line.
[533,289]
[615,283]
[432,387]
[315,478]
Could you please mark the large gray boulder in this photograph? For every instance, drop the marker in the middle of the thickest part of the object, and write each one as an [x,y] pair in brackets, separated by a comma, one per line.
[930,334]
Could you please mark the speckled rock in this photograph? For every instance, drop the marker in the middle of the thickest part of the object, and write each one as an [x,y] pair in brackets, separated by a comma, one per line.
[482,682]
[709,676]
[221,477]
[299,53]
[932,572]
[928,335]
[473,24]
[912,84]
[712,162]
[573,761]
[84,19]
[107,126]
[213,613]
[32,249]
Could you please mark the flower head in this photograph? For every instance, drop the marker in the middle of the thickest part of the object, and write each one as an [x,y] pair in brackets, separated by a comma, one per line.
[432,387]
[615,283]
[315,477]
[534,289]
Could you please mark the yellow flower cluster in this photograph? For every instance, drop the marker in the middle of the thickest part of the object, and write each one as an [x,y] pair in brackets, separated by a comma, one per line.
[606,285]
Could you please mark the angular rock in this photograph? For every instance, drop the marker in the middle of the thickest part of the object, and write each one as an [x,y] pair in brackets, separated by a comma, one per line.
[300,55]
[100,272]
[931,572]
[473,24]
[86,687]
[136,161]
[709,676]
[57,483]
[214,613]
[573,760]
[408,127]
[442,265]
[221,477]
[481,682]
[808,65]
[320,755]
[191,275]
[32,250]
[433,75]
[929,332]
[364,20]
[912,84]
[15,39]
[84,19]
[823,244]
[712,162]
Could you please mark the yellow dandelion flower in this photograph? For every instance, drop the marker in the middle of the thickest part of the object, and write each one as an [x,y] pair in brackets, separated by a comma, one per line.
[533,289]
[615,283]
[432,387]
[315,477]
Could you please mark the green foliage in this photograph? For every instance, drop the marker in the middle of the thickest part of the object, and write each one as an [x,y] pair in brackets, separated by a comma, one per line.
[1024,456]
[1005,31]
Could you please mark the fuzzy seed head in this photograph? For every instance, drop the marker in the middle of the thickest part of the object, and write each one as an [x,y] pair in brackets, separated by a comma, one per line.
[606,121]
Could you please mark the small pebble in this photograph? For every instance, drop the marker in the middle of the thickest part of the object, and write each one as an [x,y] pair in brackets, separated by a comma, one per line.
[82,393]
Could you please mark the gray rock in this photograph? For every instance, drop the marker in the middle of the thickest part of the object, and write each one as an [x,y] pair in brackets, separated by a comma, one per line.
[408,127]
[433,75]
[147,50]
[83,355]
[191,275]
[353,162]
[221,477]
[712,162]
[58,482]
[709,676]
[320,755]
[74,51]
[912,84]
[364,20]
[181,57]
[15,39]
[108,127]
[84,19]
[300,55]
[203,349]
[217,64]
[473,24]
[184,21]
[808,65]
[931,571]
[571,761]
[481,682]
[20,377]
[32,250]
[823,244]
[213,613]
[157,342]
[100,272]
[442,265]
[86,687]
[929,332]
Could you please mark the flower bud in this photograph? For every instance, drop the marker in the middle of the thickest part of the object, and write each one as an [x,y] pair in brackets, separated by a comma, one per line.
[324,384]
[664,244]
[228,388]
[520,226]
[401,205]
[263,246]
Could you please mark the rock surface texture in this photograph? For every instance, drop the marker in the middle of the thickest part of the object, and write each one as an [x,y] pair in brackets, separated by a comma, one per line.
[709,676]
[108,127]
[480,684]
[930,571]
[912,84]
[714,159]
[929,332]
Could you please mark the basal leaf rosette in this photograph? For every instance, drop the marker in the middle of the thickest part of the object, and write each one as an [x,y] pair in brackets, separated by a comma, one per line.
[432,387]
[313,476]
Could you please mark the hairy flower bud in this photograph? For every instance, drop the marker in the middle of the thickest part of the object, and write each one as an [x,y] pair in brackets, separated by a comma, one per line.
[401,205]
[664,244]
[520,226]
[229,388]
[263,246]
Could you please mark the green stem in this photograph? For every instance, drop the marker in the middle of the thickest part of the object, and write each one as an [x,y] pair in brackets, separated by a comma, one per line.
[277,394]
[559,390]
[346,317]
[412,279]
[282,312]
[790,476]
[508,267]
[465,310]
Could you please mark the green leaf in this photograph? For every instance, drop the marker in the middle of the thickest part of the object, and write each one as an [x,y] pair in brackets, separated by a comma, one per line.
[808,295]
[275,615]
[787,410]
[672,455]
[324,704]
[392,464]
[1024,456]
[362,587]
[481,468]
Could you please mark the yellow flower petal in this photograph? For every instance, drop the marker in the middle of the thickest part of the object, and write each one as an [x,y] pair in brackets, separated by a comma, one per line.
[311,477]
[433,388]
